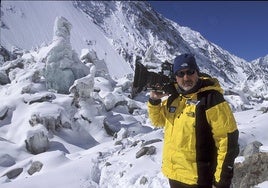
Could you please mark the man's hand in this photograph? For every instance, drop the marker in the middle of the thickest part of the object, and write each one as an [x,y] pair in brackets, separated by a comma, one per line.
[157,95]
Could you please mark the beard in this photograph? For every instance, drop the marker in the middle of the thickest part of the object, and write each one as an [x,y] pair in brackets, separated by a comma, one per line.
[187,85]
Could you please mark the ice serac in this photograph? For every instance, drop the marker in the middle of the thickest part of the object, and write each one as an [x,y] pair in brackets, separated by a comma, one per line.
[63,66]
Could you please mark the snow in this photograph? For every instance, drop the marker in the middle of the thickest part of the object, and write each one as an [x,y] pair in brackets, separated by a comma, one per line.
[252,126]
[72,161]
[37,31]
[88,167]
[84,155]
[262,185]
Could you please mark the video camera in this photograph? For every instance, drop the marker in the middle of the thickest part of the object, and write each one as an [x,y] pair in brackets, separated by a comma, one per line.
[160,82]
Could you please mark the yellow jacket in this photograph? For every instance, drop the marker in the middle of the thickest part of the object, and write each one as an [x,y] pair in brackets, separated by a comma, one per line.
[201,136]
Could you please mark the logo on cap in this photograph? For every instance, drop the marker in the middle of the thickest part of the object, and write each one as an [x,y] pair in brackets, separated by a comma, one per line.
[184,65]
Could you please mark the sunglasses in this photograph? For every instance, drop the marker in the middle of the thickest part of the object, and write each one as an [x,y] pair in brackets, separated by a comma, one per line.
[181,74]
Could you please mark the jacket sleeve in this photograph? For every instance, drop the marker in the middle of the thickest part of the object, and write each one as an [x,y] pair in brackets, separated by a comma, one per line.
[225,134]
[156,113]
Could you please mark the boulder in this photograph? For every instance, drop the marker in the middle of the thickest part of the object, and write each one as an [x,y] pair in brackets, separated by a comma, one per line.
[4,79]
[252,171]
[12,174]
[38,143]
[251,148]
[146,151]
[36,166]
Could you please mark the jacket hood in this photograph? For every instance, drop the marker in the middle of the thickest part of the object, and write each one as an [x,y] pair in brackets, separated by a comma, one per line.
[210,84]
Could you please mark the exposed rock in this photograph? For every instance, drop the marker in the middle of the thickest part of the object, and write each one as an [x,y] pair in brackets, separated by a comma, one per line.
[135,143]
[4,79]
[5,55]
[133,107]
[108,164]
[36,166]
[143,180]
[251,148]
[118,142]
[48,97]
[86,119]
[264,109]
[12,174]
[146,151]
[112,124]
[17,52]
[151,142]
[6,160]
[38,143]
[6,114]
[252,171]
[3,112]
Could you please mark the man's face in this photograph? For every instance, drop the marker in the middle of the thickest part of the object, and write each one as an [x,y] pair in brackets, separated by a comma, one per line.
[187,78]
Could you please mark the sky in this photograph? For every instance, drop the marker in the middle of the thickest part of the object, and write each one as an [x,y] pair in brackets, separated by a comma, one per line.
[240,27]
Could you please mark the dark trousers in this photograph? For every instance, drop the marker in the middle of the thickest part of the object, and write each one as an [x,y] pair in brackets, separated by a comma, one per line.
[176,184]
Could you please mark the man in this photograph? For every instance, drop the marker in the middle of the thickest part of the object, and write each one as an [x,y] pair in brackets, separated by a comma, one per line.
[201,136]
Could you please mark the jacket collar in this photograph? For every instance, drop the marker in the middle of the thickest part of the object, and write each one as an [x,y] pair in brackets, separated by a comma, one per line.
[203,84]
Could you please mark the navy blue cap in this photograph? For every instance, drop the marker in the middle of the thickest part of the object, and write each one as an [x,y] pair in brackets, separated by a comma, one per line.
[184,61]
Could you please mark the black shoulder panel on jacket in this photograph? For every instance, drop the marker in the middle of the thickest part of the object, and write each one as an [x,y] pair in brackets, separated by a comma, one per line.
[206,151]
[213,98]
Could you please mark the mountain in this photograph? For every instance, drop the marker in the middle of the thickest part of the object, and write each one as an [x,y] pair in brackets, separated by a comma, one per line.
[66,118]
[129,28]
[29,29]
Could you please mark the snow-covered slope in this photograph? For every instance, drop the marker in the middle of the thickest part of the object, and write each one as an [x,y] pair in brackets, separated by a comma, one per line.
[29,24]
